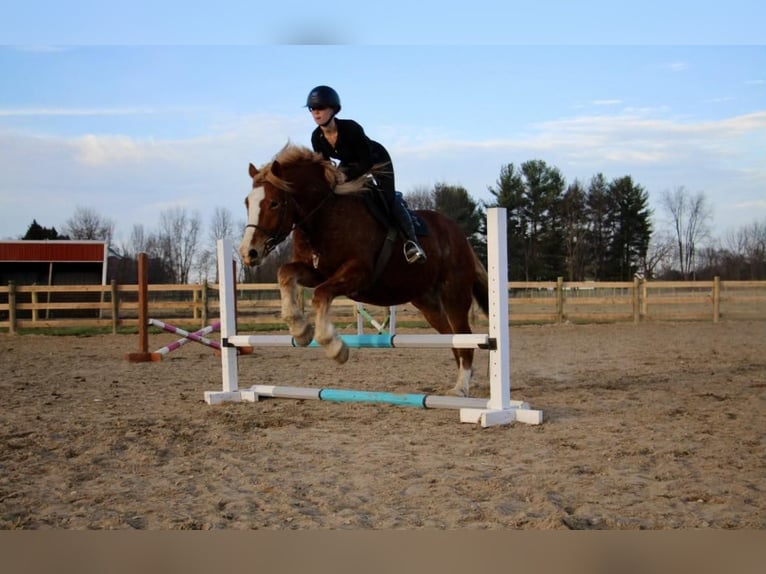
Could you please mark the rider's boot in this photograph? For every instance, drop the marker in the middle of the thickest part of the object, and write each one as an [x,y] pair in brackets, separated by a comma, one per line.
[413,252]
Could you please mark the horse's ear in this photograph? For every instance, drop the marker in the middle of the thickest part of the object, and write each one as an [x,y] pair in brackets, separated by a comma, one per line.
[253,171]
[276,168]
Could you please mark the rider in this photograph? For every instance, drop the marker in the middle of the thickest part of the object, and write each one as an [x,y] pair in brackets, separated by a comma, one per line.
[346,141]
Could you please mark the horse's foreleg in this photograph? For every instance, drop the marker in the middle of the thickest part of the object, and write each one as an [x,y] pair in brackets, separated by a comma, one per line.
[292,314]
[325,334]
[347,279]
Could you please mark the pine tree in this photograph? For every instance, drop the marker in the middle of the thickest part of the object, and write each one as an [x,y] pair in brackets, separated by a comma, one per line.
[37,232]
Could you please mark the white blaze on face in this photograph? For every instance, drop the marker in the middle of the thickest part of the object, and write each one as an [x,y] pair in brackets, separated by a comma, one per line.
[253,212]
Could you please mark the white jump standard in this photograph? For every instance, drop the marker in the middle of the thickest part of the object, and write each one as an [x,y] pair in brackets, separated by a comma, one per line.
[496,410]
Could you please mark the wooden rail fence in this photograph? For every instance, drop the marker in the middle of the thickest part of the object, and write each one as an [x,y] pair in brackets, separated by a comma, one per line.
[114,306]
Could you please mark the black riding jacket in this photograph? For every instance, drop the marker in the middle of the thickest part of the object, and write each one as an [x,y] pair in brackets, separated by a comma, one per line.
[356,152]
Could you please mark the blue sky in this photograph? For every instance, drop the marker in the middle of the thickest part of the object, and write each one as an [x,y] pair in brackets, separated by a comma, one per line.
[132,110]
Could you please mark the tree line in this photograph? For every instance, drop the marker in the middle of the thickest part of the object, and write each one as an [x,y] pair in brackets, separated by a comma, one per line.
[602,230]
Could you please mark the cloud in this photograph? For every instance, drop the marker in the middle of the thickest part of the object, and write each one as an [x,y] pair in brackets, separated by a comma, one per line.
[606,102]
[677,66]
[41,49]
[644,136]
[44,112]
[757,204]
[131,180]
[95,150]
[723,158]
[259,135]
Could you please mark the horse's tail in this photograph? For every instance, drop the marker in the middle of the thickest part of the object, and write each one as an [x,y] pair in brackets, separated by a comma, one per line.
[480,284]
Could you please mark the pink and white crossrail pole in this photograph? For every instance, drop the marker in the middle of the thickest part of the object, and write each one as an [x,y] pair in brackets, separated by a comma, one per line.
[198,336]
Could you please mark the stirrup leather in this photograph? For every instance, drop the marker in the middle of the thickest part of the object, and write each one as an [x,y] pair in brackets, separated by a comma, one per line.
[413,252]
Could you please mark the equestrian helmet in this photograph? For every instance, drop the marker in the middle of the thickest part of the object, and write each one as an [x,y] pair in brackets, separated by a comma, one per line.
[323,97]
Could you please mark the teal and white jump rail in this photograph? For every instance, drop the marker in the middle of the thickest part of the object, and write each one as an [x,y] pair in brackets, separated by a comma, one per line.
[421,401]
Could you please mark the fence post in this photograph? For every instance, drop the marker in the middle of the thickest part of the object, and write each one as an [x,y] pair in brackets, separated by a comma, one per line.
[115,306]
[11,308]
[644,298]
[34,305]
[559,300]
[716,298]
[636,307]
[203,309]
[143,355]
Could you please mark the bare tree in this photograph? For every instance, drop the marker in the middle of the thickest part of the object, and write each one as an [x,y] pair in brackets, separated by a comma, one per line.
[757,249]
[690,216]
[87,224]
[179,241]
[206,265]
[421,197]
[138,242]
[221,224]
[753,242]
[735,248]
[659,256]
[221,227]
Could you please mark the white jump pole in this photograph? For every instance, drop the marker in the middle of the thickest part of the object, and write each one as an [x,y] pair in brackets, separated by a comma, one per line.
[227,296]
[402,341]
[498,409]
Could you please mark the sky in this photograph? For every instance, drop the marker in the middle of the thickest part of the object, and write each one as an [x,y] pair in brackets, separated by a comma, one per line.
[130,109]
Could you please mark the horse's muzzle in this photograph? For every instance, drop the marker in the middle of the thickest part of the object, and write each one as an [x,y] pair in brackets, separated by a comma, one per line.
[252,257]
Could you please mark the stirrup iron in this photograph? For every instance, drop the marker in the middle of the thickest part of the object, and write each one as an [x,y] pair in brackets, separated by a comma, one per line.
[413,253]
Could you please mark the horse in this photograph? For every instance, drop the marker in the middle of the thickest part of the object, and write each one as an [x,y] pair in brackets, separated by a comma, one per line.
[337,242]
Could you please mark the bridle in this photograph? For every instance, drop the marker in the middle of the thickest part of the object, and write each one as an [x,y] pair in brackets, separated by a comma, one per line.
[274,237]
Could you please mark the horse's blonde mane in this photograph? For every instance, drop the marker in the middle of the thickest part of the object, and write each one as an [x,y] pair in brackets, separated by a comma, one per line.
[294,154]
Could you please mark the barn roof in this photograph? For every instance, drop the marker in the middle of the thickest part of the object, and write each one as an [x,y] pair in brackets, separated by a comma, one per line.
[53,251]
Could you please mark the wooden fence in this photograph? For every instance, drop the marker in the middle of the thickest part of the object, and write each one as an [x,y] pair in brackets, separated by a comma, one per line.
[114,306]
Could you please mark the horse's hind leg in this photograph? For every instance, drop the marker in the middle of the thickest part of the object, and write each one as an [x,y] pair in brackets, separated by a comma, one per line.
[300,329]
[463,357]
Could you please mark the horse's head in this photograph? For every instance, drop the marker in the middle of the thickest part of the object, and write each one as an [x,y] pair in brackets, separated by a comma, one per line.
[269,215]
[287,192]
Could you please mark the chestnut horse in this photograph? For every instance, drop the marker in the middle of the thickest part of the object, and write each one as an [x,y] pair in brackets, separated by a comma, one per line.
[336,245]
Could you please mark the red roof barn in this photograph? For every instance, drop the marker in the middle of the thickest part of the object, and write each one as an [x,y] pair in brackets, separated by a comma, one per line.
[53,262]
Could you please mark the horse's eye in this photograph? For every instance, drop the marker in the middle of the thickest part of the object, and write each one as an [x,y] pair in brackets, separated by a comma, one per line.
[274,204]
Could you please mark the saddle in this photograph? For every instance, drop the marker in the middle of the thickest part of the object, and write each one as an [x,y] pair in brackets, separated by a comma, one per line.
[381,211]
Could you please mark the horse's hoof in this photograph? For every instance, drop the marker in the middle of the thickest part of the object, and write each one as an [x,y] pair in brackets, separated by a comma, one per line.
[457,392]
[305,338]
[338,350]
[342,355]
